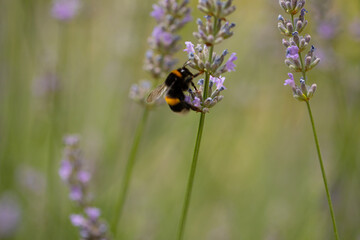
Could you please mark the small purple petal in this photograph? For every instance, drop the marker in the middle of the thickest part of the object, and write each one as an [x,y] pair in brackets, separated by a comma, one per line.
[292,52]
[65,170]
[189,47]
[83,176]
[93,213]
[196,102]
[290,81]
[229,65]
[187,99]
[77,220]
[187,18]
[76,193]
[219,82]
[167,38]
[158,12]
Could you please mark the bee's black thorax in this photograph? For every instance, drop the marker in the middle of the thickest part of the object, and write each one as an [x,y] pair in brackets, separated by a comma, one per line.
[178,81]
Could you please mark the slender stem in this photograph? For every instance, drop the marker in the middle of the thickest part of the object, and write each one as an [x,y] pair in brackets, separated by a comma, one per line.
[196,150]
[191,178]
[323,172]
[128,171]
[303,71]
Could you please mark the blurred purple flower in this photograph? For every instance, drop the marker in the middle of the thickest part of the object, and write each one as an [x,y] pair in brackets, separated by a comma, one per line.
[84,176]
[326,30]
[65,9]
[187,18]
[93,213]
[290,81]
[158,12]
[292,52]
[162,36]
[188,99]
[9,215]
[65,170]
[196,102]
[229,65]
[77,220]
[189,47]
[76,194]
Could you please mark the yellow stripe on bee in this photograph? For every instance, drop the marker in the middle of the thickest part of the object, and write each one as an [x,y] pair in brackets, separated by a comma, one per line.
[172,101]
[177,73]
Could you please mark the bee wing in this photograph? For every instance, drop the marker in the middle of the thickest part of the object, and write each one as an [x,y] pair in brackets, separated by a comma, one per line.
[156,93]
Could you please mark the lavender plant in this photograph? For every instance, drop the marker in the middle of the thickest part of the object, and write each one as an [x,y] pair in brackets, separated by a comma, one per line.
[296,44]
[170,17]
[211,32]
[72,172]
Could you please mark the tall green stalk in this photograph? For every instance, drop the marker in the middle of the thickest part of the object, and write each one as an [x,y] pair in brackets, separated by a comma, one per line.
[128,171]
[323,171]
[303,72]
[196,150]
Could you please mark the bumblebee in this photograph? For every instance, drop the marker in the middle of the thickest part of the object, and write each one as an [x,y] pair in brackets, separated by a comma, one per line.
[175,84]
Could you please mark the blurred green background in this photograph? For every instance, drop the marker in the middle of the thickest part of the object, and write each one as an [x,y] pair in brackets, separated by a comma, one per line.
[258,175]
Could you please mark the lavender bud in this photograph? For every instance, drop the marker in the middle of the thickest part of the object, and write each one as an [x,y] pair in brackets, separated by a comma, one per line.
[296,37]
[311,91]
[303,86]
[288,6]
[289,27]
[285,43]
[308,61]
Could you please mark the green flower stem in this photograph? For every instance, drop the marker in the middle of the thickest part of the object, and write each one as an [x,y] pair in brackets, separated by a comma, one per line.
[323,172]
[128,171]
[196,150]
[303,71]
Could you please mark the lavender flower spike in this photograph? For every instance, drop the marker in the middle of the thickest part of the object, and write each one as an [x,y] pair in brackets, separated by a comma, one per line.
[296,45]
[72,172]
[170,17]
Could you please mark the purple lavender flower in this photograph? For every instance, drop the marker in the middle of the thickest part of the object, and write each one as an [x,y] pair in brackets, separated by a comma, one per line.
[64,10]
[230,66]
[292,52]
[93,213]
[84,176]
[196,102]
[76,194]
[189,47]
[10,215]
[158,12]
[77,220]
[65,170]
[219,81]
[290,81]
[170,17]
[72,172]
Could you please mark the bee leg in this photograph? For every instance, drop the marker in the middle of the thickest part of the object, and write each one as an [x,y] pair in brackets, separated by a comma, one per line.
[192,84]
